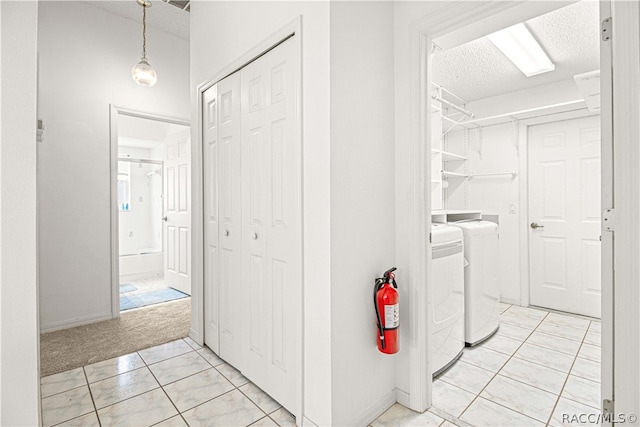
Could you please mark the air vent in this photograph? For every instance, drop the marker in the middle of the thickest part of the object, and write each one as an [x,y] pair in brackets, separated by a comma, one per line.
[180,4]
[589,86]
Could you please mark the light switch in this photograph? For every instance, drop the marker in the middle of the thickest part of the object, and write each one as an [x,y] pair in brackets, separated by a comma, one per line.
[512,207]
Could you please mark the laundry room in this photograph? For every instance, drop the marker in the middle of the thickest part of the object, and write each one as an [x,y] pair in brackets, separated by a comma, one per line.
[515,212]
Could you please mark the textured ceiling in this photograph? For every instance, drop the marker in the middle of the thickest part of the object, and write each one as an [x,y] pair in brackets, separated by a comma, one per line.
[161,15]
[478,70]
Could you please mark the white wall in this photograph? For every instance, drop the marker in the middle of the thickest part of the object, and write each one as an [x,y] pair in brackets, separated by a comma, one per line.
[493,195]
[213,49]
[86,55]
[362,211]
[19,367]
[406,14]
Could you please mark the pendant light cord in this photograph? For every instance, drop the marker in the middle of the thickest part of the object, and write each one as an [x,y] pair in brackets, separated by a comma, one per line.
[144,32]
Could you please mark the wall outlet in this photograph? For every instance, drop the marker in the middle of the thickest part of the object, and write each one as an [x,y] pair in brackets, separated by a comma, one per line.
[512,207]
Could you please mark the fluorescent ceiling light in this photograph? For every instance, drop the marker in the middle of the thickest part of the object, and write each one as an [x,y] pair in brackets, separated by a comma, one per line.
[522,49]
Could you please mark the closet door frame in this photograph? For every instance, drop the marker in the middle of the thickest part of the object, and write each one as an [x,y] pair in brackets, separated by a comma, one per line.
[476,18]
[291,30]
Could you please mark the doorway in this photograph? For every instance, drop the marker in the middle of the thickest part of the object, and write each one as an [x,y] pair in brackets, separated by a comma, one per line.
[476,138]
[150,210]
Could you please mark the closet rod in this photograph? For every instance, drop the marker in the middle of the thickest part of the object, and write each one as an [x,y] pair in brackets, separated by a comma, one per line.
[529,110]
[512,173]
[443,89]
[454,106]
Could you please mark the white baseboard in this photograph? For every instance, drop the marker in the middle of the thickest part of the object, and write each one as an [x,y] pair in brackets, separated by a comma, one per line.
[78,321]
[403,398]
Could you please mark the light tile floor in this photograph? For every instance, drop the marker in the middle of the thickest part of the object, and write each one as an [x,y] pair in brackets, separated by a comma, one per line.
[174,384]
[538,366]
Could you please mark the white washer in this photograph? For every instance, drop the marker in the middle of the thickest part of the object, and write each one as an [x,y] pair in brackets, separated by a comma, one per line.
[447,339]
[481,284]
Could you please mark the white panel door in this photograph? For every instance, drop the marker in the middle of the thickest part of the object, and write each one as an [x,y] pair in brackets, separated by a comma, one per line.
[564,215]
[210,156]
[231,296]
[271,221]
[222,197]
[177,158]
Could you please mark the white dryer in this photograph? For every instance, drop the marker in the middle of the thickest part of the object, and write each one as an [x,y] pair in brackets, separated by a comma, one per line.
[447,276]
[481,284]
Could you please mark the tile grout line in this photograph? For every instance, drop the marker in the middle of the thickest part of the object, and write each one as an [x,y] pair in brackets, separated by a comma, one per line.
[544,366]
[174,405]
[526,360]
[165,393]
[266,415]
[130,397]
[74,388]
[255,403]
[567,379]
[168,358]
[446,416]
[95,408]
[148,367]
[503,365]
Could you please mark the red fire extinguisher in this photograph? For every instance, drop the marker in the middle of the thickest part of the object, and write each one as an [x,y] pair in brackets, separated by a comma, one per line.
[385,300]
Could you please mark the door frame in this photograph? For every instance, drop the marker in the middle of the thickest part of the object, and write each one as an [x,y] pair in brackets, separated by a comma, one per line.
[623,297]
[291,30]
[114,112]
[446,21]
[523,165]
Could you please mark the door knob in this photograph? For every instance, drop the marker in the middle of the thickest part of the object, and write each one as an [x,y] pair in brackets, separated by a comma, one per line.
[226,233]
[535,225]
[255,236]
[164,219]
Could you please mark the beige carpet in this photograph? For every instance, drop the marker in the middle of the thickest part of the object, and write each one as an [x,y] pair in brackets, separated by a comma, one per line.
[134,330]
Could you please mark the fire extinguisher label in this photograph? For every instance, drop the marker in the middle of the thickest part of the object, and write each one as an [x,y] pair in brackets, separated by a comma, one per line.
[391,316]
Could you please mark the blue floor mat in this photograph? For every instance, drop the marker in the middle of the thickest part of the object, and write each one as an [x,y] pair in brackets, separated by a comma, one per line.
[127,287]
[142,299]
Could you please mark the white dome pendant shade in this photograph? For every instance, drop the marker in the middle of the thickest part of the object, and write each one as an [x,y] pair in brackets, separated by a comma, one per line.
[142,73]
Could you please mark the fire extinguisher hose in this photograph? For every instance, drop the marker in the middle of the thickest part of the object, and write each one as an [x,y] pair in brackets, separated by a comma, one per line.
[379,283]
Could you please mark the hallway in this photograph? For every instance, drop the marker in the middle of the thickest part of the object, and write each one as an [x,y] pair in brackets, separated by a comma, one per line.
[538,366]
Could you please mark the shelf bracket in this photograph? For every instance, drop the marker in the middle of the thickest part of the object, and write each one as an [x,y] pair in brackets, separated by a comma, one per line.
[478,131]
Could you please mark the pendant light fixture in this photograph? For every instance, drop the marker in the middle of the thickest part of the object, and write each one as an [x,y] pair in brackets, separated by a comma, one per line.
[142,72]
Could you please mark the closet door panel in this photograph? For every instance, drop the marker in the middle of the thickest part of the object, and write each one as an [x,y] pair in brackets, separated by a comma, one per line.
[231,294]
[211,276]
[271,186]
[255,187]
